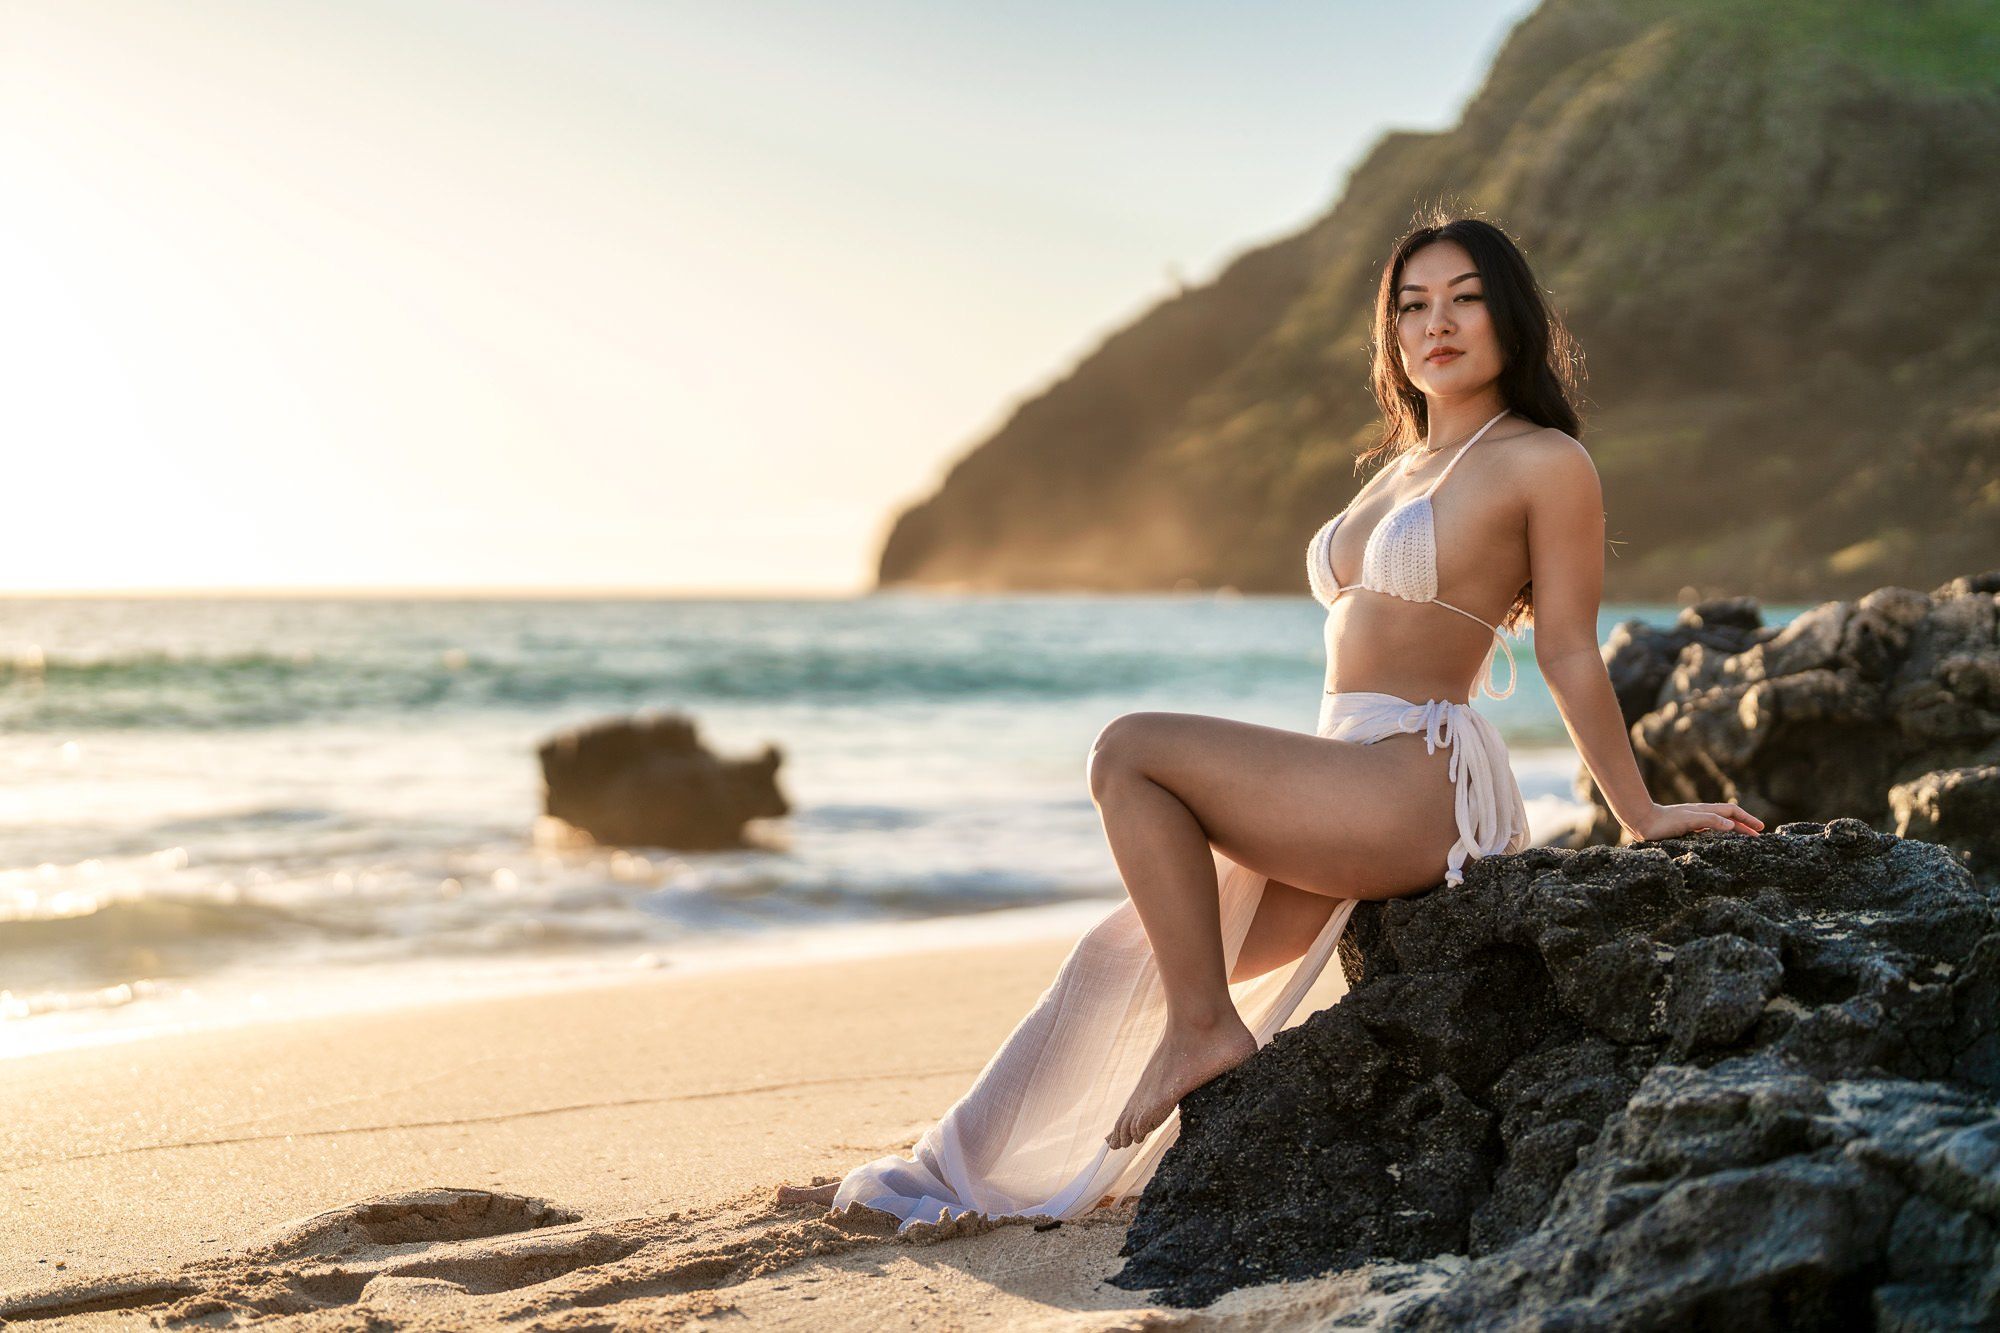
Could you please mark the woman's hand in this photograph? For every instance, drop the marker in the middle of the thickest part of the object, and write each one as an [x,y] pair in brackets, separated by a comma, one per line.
[1668,821]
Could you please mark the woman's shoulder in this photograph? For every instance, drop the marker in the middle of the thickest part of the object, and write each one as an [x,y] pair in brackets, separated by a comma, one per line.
[1550,462]
[1547,439]
[1548,447]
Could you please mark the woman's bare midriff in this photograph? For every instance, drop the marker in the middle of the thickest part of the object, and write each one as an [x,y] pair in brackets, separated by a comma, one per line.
[1382,644]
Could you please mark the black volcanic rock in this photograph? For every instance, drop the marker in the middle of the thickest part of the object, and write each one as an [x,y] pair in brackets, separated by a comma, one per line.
[1821,720]
[1723,1081]
[1959,807]
[648,781]
[1641,658]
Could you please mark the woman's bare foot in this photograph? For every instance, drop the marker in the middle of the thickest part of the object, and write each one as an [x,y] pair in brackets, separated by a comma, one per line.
[1188,1056]
[815,1194]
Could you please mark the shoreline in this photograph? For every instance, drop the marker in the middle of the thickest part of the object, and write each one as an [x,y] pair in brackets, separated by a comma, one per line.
[227,1002]
[246,995]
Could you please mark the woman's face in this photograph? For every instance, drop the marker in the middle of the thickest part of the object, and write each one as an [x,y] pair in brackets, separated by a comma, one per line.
[1440,303]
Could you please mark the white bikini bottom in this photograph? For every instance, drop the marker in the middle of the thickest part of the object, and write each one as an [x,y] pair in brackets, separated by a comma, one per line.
[1028,1137]
[1491,814]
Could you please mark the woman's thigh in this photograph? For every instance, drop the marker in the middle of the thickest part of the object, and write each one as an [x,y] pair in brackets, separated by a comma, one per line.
[1332,817]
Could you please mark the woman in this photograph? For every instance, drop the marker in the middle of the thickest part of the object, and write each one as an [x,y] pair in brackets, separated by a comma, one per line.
[1244,848]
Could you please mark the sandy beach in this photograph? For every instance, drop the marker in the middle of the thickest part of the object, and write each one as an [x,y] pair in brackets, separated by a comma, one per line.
[603,1157]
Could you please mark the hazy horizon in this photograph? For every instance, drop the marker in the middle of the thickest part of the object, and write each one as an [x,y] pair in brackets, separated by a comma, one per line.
[531,299]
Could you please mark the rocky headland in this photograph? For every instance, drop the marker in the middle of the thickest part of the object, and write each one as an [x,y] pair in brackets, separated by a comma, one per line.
[1749,215]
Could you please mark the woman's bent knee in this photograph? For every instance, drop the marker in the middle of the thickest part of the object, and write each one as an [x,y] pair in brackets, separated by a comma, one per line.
[1116,752]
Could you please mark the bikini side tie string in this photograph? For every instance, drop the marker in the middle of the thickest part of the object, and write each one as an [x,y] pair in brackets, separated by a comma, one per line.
[1486,674]
[1439,722]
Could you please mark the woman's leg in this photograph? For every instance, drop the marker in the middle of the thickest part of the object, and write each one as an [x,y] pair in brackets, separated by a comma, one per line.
[1329,817]
[1288,920]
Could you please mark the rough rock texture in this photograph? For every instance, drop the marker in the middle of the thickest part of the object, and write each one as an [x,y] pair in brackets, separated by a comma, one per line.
[1959,807]
[1820,720]
[1715,1081]
[648,781]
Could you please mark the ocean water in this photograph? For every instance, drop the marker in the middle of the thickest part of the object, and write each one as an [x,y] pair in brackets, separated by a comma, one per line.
[218,809]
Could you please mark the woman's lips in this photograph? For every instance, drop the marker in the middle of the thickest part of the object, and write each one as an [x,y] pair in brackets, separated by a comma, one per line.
[1440,358]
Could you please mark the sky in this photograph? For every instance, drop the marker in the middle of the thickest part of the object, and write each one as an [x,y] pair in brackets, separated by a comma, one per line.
[612,295]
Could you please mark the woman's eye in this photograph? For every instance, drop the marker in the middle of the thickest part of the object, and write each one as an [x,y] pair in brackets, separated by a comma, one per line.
[1462,296]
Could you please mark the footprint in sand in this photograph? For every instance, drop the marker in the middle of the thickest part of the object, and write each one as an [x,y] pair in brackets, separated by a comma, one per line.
[340,1256]
[419,1217]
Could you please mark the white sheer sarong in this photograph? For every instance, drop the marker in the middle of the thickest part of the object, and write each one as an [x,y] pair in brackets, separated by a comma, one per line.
[1028,1137]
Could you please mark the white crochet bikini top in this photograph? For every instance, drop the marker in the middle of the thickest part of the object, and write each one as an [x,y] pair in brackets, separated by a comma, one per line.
[1401,559]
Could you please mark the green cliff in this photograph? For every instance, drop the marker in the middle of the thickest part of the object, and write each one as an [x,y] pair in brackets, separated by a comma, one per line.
[1771,228]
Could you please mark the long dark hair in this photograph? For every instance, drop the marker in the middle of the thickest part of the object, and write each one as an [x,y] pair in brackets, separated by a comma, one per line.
[1541,364]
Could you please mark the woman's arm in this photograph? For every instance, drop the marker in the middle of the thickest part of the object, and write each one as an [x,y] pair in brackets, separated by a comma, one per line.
[1566,563]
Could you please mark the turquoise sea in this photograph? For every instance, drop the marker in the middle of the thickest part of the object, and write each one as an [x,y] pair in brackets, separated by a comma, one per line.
[221,808]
